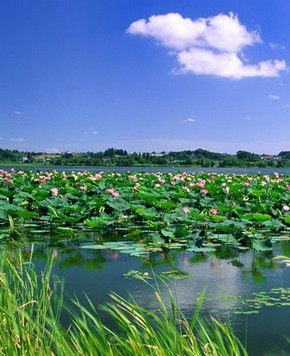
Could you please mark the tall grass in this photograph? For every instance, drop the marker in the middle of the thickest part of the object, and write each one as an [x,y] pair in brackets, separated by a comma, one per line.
[31,305]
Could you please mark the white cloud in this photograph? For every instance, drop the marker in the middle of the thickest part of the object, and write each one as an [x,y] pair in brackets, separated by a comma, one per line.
[53,150]
[17,139]
[273,97]
[208,46]
[189,120]
[248,118]
[94,132]
[224,64]
[276,46]
[17,112]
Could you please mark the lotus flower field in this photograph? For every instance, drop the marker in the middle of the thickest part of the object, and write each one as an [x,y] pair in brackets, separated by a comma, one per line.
[197,211]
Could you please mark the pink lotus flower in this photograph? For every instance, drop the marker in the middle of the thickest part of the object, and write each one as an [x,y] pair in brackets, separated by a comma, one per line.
[8,180]
[83,188]
[113,192]
[213,211]
[204,191]
[286,208]
[185,210]
[201,184]
[54,192]
[136,186]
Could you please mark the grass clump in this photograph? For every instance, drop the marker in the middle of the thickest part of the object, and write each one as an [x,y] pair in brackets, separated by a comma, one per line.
[31,305]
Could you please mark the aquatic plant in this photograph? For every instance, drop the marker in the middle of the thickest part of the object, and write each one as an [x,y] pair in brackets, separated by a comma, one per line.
[32,304]
[162,207]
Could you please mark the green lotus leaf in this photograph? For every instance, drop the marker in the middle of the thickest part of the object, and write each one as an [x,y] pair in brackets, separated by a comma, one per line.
[26,215]
[262,244]
[201,249]
[258,217]
[99,221]
[168,233]
[7,192]
[175,274]
[93,247]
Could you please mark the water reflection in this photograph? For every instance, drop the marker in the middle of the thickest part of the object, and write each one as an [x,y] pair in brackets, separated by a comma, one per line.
[228,276]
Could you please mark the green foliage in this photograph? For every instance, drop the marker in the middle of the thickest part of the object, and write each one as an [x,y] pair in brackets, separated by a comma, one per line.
[164,207]
[247,156]
[120,157]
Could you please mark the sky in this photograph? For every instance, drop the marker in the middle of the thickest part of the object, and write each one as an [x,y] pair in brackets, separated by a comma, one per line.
[145,75]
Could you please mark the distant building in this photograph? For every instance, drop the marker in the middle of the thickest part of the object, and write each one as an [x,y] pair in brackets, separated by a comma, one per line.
[269,157]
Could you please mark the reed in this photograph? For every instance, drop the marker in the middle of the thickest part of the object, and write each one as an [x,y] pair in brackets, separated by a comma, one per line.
[31,305]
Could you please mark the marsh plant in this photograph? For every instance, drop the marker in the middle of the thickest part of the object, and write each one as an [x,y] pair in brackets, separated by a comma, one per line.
[32,304]
[195,209]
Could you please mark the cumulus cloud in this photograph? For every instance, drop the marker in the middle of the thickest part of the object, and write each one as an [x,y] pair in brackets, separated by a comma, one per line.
[208,46]
[17,139]
[273,97]
[248,118]
[17,112]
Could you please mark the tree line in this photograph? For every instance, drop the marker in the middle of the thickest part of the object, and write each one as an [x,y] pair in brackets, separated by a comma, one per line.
[120,157]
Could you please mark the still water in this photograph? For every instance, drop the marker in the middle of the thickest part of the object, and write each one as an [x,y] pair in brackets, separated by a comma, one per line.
[230,170]
[235,282]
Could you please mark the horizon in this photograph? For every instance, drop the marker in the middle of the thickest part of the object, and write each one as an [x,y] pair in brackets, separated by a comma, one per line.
[141,152]
[147,76]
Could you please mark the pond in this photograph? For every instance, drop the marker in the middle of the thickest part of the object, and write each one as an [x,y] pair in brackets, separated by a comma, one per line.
[213,232]
[223,170]
[249,288]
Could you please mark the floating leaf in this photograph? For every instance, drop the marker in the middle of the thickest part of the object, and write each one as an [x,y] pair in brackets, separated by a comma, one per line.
[175,274]
[262,244]
[93,247]
[200,249]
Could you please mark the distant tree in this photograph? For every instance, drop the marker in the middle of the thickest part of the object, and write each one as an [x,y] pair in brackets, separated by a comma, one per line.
[229,161]
[110,152]
[284,154]
[247,156]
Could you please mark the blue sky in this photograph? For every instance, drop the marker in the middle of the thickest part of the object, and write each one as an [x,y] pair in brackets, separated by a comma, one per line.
[145,75]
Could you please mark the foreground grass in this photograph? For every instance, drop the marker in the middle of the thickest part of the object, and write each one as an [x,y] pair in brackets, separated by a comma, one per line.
[31,305]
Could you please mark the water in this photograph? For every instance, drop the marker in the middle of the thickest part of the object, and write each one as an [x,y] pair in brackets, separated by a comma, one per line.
[230,170]
[228,276]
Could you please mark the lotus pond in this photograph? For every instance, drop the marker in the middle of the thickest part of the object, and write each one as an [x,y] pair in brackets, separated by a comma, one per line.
[110,231]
